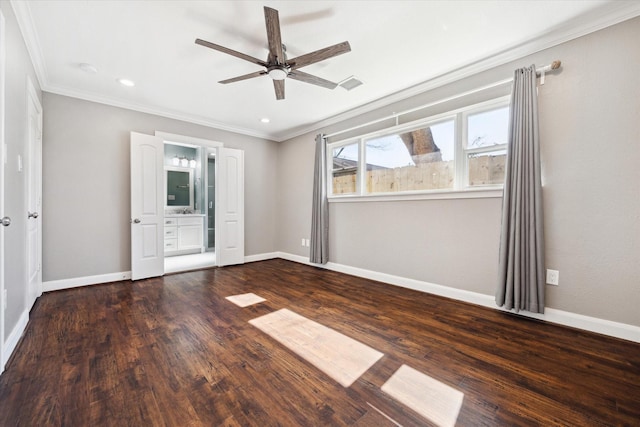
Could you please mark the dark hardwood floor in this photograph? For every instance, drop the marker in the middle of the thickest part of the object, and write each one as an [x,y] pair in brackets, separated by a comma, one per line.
[173,351]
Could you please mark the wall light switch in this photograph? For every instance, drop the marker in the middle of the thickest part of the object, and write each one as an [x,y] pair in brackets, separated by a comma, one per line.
[19,163]
[306,242]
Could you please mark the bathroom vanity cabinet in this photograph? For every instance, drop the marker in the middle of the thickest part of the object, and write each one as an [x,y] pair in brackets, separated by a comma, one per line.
[183,234]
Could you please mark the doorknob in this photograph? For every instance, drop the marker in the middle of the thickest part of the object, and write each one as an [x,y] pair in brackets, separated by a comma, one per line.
[6,221]
[32,215]
[136,221]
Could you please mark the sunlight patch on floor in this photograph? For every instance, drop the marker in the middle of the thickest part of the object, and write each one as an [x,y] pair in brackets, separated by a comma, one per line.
[245,300]
[427,396]
[340,357]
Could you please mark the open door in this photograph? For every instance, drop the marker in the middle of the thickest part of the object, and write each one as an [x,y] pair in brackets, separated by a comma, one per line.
[147,206]
[4,221]
[229,207]
[34,196]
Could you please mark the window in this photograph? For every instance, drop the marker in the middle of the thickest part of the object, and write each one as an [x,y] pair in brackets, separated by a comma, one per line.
[344,169]
[455,151]
[412,160]
[486,146]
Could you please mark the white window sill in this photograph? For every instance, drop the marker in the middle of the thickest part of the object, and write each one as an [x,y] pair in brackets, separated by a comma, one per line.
[474,193]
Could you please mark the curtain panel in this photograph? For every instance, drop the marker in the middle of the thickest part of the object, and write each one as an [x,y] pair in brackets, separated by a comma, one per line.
[319,243]
[521,283]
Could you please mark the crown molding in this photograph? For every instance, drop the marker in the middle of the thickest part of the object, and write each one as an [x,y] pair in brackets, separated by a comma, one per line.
[612,13]
[162,112]
[27,28]
[616,12]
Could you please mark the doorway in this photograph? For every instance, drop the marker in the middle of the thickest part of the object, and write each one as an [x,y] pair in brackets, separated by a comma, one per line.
[199,157]
[148,167]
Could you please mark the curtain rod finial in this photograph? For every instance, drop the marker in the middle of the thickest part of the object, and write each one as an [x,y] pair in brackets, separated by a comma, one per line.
[556,64]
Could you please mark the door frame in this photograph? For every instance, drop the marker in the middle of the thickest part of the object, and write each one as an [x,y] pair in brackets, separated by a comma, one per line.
[34,162]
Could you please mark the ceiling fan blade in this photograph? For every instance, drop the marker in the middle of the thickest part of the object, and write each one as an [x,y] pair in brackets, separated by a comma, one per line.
[230,52]
[273,35]
[319,55]
[278,85]
[314,80]
[245,77]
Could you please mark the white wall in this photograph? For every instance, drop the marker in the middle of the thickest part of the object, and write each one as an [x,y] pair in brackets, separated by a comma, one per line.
[18,67]
[590,142]
[86,189]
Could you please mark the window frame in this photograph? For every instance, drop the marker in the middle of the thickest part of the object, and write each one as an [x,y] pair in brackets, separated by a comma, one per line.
[329,152]
[461,187]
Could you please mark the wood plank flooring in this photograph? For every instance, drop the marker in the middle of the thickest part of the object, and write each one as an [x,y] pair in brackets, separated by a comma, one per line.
[173,351]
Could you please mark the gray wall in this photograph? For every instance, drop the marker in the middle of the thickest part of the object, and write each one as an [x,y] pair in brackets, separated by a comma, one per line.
[86,189]
[590,141]
[18,67]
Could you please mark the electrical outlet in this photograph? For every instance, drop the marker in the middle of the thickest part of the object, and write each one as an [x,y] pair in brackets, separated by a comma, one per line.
[306,242]
[553,277]
[302,242]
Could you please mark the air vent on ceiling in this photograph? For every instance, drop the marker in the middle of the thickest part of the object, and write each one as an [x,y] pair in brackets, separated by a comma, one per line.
[350,83]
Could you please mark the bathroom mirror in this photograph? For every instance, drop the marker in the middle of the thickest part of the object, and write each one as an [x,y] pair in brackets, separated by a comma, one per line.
[178,187]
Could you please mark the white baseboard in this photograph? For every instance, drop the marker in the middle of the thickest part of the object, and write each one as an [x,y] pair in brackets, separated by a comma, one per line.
[13,338]
[566,318]
[262,257]
[56,285]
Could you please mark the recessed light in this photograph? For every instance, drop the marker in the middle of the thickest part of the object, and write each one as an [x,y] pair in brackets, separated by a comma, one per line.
[88,68]
[265,120]
[126,82]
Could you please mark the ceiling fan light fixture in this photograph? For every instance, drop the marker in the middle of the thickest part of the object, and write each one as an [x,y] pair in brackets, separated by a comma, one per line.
[278,73]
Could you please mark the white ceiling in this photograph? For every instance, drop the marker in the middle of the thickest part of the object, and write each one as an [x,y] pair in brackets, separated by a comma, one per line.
[396,45]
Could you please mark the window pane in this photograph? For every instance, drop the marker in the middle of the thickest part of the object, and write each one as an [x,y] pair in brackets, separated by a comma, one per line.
[488,128]
[344,169]
[487,168]
[420,159]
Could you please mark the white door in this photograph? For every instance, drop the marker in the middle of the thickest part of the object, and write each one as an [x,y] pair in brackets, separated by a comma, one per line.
[229,207]
[5,221]
[147,206]
[33,165]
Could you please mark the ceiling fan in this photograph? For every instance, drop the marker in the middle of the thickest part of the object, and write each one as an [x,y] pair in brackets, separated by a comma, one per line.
[278,66]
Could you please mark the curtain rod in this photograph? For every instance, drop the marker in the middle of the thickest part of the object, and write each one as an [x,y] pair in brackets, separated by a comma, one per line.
[539,71]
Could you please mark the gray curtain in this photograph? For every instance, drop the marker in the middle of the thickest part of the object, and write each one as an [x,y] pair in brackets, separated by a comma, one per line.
[320,214]
[521,269]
